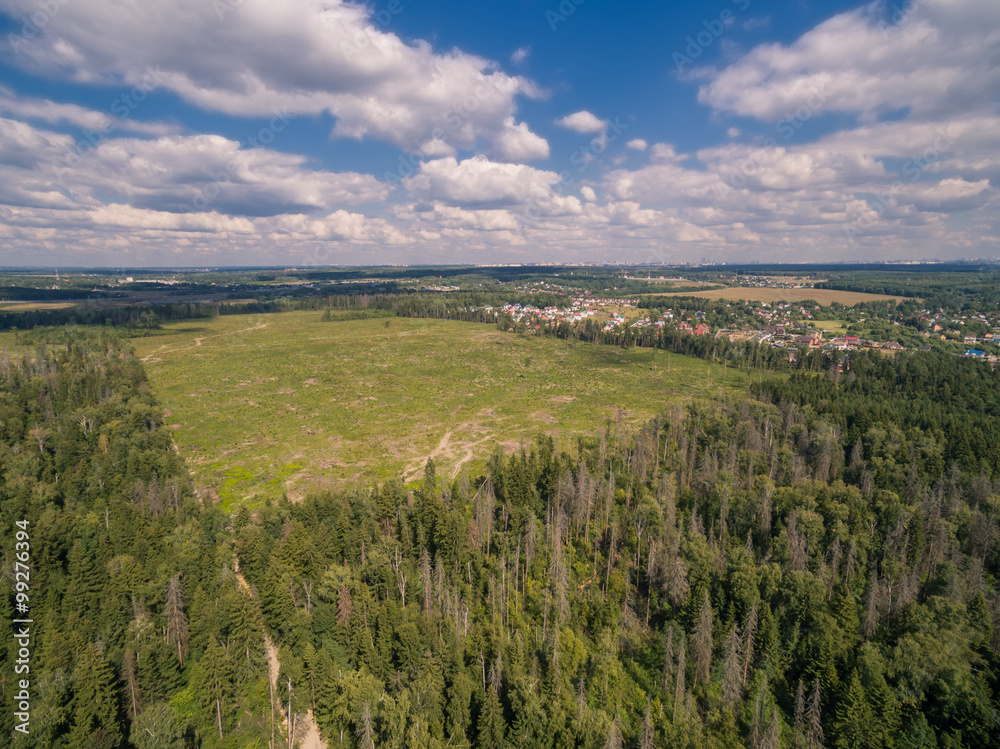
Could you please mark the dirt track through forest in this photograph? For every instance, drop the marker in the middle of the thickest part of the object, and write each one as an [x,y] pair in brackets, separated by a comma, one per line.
[307,734]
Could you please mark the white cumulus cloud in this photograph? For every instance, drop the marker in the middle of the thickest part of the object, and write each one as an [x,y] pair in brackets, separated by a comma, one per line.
[939,56]
[306,57]
[583,122]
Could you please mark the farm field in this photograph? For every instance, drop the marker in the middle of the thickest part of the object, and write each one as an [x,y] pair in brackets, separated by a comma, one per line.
[32,306]
[821,296]
[264,404]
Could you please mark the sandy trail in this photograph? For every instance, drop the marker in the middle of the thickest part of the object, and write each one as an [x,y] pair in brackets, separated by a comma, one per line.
[447,450]
[306,731]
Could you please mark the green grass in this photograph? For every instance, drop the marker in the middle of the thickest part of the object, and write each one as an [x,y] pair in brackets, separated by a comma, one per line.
[263,404]
[835,327]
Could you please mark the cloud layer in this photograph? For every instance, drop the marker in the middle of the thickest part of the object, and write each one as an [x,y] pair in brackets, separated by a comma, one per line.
[256,57]
[902,156]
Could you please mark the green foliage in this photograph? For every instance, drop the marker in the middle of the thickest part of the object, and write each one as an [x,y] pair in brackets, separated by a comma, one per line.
[140,616]
[668,584]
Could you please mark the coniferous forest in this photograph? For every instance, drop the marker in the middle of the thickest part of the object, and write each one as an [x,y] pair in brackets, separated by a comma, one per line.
[811,565]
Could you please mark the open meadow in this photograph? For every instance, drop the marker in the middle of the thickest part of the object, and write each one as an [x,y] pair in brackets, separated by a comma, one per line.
[262,404]
[32,306]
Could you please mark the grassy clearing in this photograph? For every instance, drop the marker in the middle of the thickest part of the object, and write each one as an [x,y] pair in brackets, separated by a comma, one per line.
[821,296]
[836,327]
[262,404]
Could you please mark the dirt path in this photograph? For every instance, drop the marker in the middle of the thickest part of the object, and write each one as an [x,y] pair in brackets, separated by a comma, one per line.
[447,450]
[306,731]
[197,342]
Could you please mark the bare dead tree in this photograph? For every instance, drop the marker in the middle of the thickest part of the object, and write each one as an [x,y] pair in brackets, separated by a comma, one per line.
[176,619]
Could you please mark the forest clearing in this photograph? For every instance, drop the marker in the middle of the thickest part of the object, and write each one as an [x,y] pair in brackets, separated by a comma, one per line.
[261,405]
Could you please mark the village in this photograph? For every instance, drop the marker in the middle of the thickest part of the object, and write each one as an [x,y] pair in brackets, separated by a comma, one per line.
[780,325]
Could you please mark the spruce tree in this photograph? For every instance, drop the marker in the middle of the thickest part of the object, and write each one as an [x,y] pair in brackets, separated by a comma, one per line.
[702,642]
[854,723]
[214,686]
[177,621]
[647,739]
[732,671]
[158,728]
[95,703]
[814,735]
[246,640]
[491,728]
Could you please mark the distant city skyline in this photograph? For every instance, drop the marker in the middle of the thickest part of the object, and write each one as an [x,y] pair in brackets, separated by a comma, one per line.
[306,133]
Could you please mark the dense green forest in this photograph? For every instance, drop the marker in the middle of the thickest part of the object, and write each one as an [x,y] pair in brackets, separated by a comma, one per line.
[974,288]
[811,565]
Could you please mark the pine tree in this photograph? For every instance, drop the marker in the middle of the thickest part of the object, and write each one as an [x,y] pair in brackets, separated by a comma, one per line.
[668,660]
[344,606]
[615,738]
[177,621]
[215,685]
[732,671]
[95,715]
[133,693]
[158,728]
[647,739]
[702,642]
[814,737]
[765,729]
[83,592]
[854,719]
[491,728]
[365,731]
[246,640]
[680,689]
[326,691]
[799,739]
[749,639]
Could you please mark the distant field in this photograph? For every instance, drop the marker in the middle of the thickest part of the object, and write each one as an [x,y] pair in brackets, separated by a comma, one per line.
[672,281]
[262,404]
[31,306]
[822,296]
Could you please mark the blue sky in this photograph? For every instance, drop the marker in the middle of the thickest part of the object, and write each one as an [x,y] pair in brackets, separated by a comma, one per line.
[240,132]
